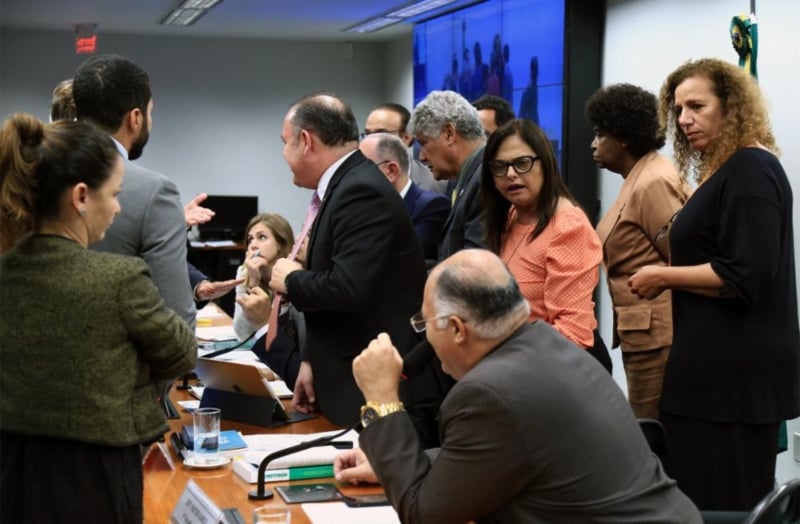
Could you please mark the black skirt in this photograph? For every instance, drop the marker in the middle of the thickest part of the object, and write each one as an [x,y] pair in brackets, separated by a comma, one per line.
[55,481]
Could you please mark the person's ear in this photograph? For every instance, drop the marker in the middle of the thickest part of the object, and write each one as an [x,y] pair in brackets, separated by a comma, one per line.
[79,196]
[407,138]
[449,133]
[459,328]
[307,141]
[392,171]
[134,120]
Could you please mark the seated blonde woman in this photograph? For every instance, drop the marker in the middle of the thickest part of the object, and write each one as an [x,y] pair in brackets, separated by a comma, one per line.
[268,237]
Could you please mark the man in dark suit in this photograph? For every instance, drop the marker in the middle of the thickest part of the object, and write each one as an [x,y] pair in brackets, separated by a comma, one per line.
[451,138]
[114,93]
[364,266]
[522,439]
[393,119]
[428,210]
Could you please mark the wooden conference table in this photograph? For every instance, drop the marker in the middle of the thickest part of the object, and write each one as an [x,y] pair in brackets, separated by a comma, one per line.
[164,485]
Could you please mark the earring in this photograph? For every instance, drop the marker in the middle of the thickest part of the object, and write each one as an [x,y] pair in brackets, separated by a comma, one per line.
[82,211]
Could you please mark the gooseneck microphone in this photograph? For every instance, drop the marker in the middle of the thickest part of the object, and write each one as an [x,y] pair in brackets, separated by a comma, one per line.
[418,359]
[262,493]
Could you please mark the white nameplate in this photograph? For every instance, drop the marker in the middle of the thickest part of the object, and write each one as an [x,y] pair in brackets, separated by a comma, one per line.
[194,507]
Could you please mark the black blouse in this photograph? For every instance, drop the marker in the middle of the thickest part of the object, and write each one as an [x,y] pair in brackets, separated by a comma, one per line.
[737,359]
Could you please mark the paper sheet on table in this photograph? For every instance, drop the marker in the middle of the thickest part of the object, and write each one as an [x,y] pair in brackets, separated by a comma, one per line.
[210,311]
[262,444]
[215,332]
[327,512]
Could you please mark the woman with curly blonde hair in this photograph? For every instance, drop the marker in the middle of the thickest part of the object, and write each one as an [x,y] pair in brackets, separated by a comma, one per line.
[732,374]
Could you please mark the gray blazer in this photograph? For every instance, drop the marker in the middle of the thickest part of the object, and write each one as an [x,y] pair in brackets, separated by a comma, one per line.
[536,432]
[84,337]
[151,226]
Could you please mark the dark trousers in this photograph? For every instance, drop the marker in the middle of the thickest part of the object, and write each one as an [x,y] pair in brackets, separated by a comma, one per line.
[721,466]
[63,481]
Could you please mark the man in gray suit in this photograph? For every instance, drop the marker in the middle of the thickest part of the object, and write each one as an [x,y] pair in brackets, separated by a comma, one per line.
[534,430]
[114,93]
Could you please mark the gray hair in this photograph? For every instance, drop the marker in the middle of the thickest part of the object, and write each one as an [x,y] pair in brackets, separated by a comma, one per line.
[442,107]
[391,147]
[492,308]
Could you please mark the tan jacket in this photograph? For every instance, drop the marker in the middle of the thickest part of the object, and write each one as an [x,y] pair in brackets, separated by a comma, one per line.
[634,233]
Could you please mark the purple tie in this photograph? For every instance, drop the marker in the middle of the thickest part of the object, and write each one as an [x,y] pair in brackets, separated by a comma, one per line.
[311,214]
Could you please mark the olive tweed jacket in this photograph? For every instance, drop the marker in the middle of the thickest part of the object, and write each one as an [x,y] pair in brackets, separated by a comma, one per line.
[83,337]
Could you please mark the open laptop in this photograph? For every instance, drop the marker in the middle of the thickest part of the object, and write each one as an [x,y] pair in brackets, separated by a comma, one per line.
[246,379]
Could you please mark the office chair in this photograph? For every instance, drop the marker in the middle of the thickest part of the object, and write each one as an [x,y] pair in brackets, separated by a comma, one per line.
[782,506]
[655,436]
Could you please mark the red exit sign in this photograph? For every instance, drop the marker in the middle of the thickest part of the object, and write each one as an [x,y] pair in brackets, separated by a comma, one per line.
[85,45]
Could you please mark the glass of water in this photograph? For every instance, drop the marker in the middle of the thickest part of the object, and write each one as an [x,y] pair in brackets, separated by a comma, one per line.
[206,435]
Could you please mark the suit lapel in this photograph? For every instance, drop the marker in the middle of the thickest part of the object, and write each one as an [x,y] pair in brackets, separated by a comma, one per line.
[352,161]
[412,196]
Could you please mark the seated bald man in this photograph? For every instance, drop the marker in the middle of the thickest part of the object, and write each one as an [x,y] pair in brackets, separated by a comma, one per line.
[534,430]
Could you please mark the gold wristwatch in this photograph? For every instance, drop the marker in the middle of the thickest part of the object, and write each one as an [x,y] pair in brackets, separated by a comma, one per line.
[372,411]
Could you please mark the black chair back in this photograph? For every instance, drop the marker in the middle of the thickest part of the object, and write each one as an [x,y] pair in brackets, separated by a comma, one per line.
[655,436]
[782,506]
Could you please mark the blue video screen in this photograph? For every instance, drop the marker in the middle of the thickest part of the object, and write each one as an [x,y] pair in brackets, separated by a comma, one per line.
[508,48]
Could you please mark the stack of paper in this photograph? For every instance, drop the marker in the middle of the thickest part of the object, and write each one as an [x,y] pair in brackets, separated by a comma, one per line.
[292,467]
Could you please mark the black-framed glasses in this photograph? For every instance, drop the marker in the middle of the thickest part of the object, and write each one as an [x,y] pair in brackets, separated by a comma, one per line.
[383,162]
[368,132]
[521,165]
[418,323]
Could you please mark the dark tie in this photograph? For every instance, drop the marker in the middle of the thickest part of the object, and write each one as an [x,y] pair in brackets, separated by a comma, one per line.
[311,214]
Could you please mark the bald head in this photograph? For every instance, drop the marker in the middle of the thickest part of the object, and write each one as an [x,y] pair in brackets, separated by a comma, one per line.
[475,285]
[327,116]
[389,152]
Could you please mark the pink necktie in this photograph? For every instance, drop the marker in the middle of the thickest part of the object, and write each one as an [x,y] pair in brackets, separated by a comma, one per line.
[311,214]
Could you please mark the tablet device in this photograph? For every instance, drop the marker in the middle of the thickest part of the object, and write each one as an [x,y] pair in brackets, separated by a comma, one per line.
[239,378]
[309,493]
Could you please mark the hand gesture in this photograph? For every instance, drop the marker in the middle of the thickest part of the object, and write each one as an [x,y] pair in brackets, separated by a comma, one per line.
[304,400]
[194,214]
[377,370]
[256,306]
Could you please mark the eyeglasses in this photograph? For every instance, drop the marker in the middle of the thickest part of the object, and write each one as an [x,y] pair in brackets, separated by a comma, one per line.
[418,323]
[368,132]
[382,162]
[521,165]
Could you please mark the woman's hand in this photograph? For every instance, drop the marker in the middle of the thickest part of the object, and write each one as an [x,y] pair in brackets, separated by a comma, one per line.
[256,306]
[257,270]
[648,282]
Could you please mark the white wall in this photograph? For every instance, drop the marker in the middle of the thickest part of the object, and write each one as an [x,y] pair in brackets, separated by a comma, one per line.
[646,39]
[399,73]
[219,103]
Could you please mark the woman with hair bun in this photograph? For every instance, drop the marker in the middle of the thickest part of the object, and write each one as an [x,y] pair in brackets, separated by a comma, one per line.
[85,335]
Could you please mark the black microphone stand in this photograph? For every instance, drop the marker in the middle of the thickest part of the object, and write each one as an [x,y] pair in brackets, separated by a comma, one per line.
[262,493]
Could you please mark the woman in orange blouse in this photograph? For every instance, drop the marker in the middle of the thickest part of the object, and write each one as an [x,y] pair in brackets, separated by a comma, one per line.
[534,224]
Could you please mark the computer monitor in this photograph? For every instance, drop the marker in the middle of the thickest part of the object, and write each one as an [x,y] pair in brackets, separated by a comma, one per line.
[232,215]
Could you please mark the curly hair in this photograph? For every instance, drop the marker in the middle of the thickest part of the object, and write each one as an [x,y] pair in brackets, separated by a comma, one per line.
[745,122]
[442,107]
[628,113]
